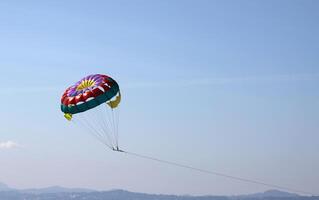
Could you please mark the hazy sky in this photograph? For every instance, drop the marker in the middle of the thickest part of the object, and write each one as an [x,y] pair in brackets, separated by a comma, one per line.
[229,86]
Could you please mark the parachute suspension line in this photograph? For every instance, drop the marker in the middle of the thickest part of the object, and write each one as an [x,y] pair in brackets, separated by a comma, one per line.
[108,131]
[117,125]
[93,132]
[104,124]
[110,117]
[108,123]
[91,129]
[99,118]
[113,118]
[96,133]
[93,122]
[218,173]
[113,132]
[114,129]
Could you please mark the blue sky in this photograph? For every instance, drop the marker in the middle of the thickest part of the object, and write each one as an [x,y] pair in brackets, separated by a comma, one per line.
[230,86]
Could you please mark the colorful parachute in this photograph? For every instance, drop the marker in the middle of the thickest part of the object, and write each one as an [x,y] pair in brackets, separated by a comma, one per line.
[93,103]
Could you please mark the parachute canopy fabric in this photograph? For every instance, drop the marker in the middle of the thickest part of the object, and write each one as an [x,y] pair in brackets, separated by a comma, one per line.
[88,93]
[93,103]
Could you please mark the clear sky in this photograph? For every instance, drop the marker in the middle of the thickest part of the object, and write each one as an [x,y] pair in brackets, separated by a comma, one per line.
[229,86]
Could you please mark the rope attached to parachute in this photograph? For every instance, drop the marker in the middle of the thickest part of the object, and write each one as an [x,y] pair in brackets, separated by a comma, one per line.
[214,172]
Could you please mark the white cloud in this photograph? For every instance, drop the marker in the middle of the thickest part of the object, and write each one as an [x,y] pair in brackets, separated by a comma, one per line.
[8,145]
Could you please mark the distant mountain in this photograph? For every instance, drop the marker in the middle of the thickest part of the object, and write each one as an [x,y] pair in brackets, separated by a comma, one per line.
[125,195]
[4,187]
[277,193]
[52,189]
[62,193]
[270,193]
[56,189]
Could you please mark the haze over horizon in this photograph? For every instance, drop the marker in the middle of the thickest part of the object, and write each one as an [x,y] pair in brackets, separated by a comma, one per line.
[228,86]
[59,189]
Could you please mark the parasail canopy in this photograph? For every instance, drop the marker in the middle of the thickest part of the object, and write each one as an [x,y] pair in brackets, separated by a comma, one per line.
[93,103]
